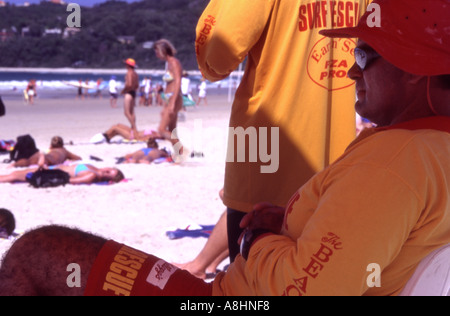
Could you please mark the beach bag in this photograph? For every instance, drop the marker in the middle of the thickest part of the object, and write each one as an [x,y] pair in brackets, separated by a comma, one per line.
[48,178]
[2,107]
[25,148]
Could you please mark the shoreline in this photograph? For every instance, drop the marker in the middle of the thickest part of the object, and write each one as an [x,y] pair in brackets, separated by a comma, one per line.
[51,93]
[68,70]
[90,70]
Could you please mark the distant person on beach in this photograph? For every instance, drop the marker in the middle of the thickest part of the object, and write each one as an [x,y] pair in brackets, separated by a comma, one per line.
[56,155]
[86,89]
[79,174]
[98,93]
[202,92]
[31,91]
[129,92]
[146,86]
[145,155]
[125,132]
[80,94]
[113,92]
[7,223]
[186,86]
[159,91]
[165,51]
[2,108]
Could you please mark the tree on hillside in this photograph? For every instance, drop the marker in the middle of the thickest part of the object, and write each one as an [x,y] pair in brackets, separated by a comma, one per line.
[97,43]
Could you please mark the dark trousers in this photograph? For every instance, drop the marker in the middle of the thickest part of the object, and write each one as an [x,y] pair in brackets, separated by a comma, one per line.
[234,218]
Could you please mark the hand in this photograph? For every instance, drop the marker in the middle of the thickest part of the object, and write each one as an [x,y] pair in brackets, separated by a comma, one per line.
[264,216]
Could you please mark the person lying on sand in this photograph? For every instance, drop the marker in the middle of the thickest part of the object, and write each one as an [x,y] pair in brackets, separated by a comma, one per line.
[79,174]
[124,131]
[145,155]
[56,155]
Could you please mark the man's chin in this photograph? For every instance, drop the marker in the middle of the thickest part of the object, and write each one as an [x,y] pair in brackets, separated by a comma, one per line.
[359,108]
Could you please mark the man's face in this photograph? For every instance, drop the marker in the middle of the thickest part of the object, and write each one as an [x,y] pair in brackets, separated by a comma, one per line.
[379,88]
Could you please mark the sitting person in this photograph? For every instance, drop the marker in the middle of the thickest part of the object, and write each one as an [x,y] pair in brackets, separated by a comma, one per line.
[145,155]
[56,155]
[337,224]
[205,264]
[124,131]
[79,174]
[7,223]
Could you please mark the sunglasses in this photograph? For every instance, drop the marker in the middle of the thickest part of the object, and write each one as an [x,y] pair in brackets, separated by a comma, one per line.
[364,58]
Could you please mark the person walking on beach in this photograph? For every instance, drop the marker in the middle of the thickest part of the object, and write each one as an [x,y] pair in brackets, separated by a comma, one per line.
[202,92]
[80,94]
[129,92]
[113,92]
[165,51]
[147,83]
[31,91]
[186,86]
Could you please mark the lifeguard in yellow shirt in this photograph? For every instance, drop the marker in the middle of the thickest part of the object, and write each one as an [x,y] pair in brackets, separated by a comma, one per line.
[295,97]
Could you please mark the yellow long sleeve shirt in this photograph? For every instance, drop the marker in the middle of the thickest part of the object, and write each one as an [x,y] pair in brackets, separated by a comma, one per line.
[295,86]
[361,226]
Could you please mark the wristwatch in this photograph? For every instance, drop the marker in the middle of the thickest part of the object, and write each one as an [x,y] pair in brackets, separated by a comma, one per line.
[249,238]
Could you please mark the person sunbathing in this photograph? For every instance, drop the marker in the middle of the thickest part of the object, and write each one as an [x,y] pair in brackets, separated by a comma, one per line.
[124,131]
[56,155]
[145,155]
[79,174]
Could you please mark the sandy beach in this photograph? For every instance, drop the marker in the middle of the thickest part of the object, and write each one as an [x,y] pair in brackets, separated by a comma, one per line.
[154,199]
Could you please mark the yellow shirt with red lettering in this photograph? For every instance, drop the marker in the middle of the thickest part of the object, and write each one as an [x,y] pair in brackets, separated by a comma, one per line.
[293,112]
[361,226]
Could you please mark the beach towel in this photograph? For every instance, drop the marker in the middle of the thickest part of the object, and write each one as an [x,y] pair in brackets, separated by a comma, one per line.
[193,231]
[108,182]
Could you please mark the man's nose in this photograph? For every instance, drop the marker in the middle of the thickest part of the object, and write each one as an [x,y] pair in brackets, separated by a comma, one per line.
[354,72]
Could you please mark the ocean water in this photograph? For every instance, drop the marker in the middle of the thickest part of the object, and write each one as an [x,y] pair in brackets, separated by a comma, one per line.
[53,84]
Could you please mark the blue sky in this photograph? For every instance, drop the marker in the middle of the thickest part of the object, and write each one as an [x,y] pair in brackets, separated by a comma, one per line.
[80,2]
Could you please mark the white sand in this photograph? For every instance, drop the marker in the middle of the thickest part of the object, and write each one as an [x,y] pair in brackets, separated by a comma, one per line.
[157,198]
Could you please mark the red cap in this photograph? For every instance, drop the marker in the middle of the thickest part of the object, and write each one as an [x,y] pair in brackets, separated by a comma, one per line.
[414,35]
[130,62]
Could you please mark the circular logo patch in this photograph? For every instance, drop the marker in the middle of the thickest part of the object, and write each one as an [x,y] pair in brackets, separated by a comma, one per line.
[329,62]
